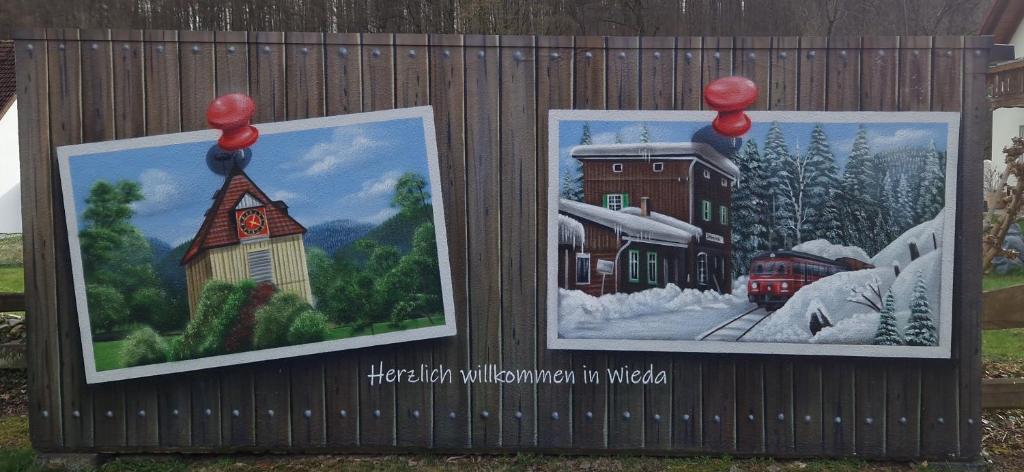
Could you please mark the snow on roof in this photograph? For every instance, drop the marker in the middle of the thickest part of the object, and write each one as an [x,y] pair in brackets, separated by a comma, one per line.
[635,226]
[571,232]
[668,220]
[701,151]
[823,248]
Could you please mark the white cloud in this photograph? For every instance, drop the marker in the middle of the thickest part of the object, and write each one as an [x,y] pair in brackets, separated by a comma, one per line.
[347,146]
[285,195]
[629,134]
[378,187]
[379,217]
[162,191]
[902,137]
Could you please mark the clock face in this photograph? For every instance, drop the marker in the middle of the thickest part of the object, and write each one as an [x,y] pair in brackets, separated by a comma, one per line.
[251,222]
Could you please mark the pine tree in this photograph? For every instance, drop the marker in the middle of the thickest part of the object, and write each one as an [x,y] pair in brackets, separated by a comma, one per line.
[858,203]
[903,207]
[933,186]
[887,333]
[645,133]
[920,328]
[618,137]
[749,229]
[572,183]
[821,192]
[780,215]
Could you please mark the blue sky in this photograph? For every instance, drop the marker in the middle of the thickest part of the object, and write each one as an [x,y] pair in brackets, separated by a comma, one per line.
[342,172]
[881,136]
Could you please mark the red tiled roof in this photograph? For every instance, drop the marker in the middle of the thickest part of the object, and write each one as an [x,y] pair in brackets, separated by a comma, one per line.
[218,229]
[8,86]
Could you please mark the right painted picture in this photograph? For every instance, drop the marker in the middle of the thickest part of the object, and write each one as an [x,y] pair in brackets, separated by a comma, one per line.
[816,233]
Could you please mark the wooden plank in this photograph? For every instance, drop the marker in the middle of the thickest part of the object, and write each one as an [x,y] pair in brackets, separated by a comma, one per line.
[589,400]
[837,408]
[518,253]
[753,61]
[902,409]
[266,76]
[869,394]
[377,402]
[1002,394]
[554,92]
[273,408]
[98,118]
[483,174]
[718,381]
[64,62]
[141,400]
[843,73]
[657,89]
[163,115]
[304,88]
[807,407]
[1002,309]
[626,415]
[689,75]
[784,73]
[687,425]
[343,92]
[447,78]
[813,85]
[237,408]
[939,411]
[414,410]
[750,405]
[37,192]
[12,301]
[878,72]
[975,136]
[198,89]
[915,73]
[718,58]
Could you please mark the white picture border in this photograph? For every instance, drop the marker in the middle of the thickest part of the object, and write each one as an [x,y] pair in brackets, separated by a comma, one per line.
[83,151]
[943,350]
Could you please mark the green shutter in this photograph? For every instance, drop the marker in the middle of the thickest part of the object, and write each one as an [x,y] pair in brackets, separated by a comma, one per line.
[625,200]
[604,200]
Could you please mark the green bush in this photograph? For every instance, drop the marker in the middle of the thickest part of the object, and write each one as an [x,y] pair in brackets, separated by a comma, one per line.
[152,306]
[401,312]
[211,300]
[107,308]
[223,319]
[274,319]
[143,347]
[309,327]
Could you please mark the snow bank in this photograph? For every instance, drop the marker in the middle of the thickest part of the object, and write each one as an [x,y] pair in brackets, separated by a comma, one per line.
[928,266]
[927,236]
[576,307]
[823,248]
[791,323]
[857,329]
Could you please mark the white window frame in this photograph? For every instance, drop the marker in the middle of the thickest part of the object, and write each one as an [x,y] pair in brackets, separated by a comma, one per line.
[634,265]
[702,268]
[580,256]
[725,182]
[658,166]
[617,167]
[620,202]
[652,267]
[707,174]
[705,210]
[723,215]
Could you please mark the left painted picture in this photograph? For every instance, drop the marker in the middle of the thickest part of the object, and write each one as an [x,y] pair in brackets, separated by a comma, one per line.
[279,240]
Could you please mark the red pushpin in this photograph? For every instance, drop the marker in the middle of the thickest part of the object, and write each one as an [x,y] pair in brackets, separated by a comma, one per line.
[730,96]
[232,114]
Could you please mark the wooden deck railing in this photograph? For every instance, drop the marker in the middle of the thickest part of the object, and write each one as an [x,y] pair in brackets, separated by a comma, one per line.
[1001,309]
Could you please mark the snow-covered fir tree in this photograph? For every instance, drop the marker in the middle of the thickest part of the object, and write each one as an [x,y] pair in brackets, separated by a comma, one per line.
[822,191]
[796,204]
[749,221]
[780,214]
[572,183]
[903,206]
[859,200]
[888,334]
[920,328]
[933,186]
[618,137]
[645,133]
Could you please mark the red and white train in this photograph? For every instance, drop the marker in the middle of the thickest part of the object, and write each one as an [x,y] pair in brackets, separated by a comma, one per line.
[776,276]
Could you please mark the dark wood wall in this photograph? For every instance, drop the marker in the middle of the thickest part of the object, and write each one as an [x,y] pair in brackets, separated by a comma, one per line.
[490,96]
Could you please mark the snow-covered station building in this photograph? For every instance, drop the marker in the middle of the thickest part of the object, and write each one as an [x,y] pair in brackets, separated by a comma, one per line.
[652,214]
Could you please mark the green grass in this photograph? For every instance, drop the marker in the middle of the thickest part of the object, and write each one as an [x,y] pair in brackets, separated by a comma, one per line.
[344,331]
[1003,344]
[12,279]
[996,282]
[107,354]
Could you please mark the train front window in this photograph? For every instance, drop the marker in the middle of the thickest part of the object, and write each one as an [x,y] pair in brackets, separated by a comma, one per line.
[759,269]
[780,269]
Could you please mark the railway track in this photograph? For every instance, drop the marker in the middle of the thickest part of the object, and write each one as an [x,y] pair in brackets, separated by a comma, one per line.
[737,327]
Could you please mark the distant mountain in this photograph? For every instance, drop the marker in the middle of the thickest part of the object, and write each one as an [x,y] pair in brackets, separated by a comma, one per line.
[396,231]
[159,247]
[334,235]
[167,263]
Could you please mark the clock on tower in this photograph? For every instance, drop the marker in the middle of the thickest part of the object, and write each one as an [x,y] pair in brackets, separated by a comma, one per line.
[252,223]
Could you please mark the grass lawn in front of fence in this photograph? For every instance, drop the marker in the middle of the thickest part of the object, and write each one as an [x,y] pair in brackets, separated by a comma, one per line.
[108,353]
[12,279]
[1003,344]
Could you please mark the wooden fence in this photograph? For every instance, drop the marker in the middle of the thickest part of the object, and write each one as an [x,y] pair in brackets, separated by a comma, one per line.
[491,96]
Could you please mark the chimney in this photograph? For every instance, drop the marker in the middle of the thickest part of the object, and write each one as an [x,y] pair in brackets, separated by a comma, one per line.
[645,206]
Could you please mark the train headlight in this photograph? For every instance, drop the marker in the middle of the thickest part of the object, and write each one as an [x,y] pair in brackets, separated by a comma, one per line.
[785,285]
[753,285]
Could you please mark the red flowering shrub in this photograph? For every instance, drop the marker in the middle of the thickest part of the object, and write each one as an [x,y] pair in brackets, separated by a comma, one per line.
[239,338]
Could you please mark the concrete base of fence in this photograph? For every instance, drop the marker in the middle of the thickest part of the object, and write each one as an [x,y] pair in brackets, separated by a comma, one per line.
[68,462]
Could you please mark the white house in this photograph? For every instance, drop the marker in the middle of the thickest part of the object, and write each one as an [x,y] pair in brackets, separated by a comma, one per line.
[10,170]
[1005,22]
